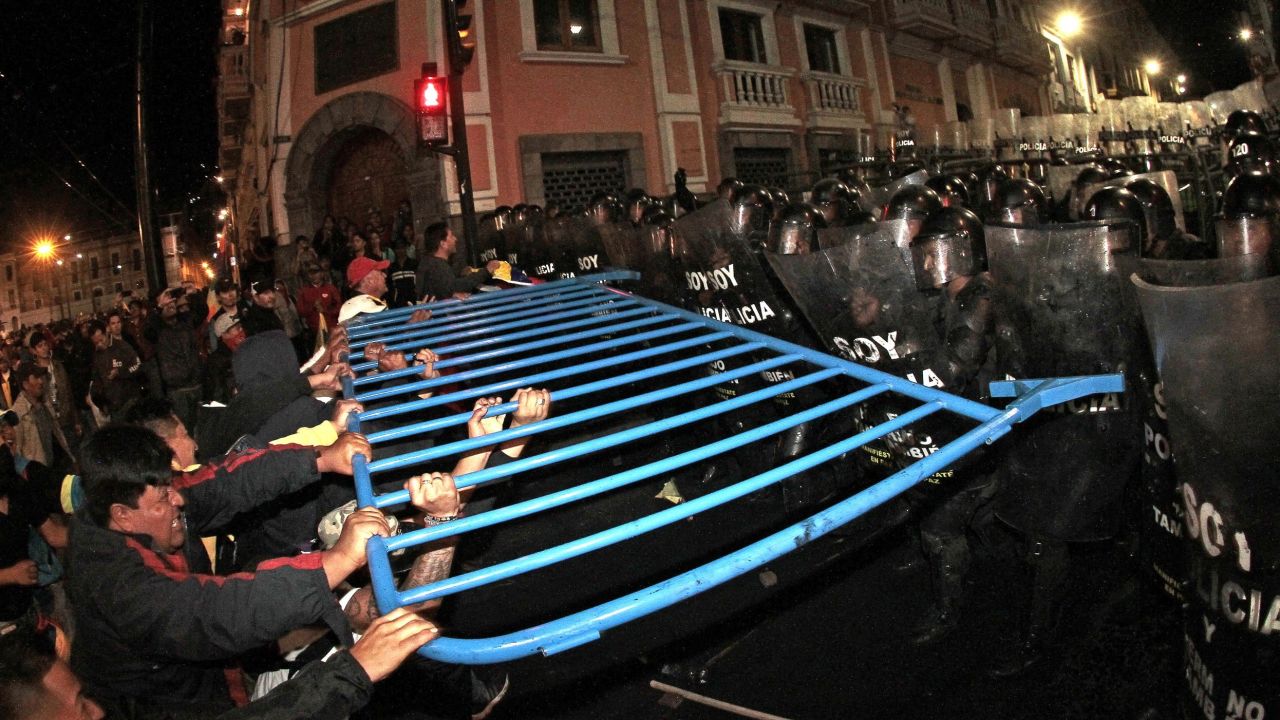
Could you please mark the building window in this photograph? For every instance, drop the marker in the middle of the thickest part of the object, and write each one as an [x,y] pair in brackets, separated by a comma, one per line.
[570,179]
[13,299]
[568,25]
[820,44]
[93,268]
[8,273]
[77,295]
[762,166]
[355,47]
[139,285]
[115,263]
[743,36]
[97,292]
[75,271]
[137,259]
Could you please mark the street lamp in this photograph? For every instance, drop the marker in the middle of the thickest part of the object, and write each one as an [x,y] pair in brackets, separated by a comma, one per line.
[44,249]
[1152,66]
[1069,23]
[1246,34]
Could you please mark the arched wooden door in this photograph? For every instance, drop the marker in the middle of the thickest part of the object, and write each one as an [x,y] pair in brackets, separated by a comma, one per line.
[369,173]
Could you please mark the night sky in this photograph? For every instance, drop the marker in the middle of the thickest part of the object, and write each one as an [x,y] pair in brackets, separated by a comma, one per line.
[1204,37]
[66,98]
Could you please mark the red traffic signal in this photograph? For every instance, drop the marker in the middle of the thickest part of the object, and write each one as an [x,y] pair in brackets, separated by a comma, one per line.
[431,93]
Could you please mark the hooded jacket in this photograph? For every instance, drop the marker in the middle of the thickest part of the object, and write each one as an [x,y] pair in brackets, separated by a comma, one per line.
[152,629]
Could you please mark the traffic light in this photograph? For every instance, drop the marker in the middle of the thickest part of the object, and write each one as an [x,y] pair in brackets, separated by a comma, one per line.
[431,93]
[462,40]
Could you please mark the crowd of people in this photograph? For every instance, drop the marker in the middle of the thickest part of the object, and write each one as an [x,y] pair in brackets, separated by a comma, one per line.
[178,531]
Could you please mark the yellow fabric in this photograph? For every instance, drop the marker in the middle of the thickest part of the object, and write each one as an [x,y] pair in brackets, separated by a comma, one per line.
[322,334]
[320,435]
[64,495]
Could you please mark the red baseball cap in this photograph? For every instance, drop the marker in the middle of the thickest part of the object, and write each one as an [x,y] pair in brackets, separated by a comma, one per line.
[362,266]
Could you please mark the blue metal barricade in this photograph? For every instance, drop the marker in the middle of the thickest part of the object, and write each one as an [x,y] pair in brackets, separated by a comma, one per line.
[558,335]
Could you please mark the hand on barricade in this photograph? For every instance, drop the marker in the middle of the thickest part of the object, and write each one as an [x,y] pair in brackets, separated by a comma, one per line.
[337,457]
[390,640]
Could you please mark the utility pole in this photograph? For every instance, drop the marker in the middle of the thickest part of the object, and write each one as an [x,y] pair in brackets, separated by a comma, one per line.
[152,253]
[458,35]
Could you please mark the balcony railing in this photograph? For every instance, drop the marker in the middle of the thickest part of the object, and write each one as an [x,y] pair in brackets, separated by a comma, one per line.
[1022,47]
[755,93]
[927,18]
[834,101]
[973,24]
[833,93]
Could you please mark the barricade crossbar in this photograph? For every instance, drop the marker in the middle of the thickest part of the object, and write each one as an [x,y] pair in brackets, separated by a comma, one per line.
[637,359]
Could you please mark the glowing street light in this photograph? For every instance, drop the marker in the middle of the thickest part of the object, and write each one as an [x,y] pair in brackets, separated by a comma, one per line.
[1152,66]
[1246,34]
[44,249]
[1182,79]
[1069,23]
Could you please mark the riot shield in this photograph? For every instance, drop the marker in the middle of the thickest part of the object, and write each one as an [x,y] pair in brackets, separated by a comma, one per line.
[861,299]
[661,273]
[1195,273]
[1164,178]
[1058,180]
[724,280]
[520,240]
[879,197]
[1216,349]
[1161,548]
[573,246]
[1062,309]
[623,244]
[549,252]
[893,233]
[490,241]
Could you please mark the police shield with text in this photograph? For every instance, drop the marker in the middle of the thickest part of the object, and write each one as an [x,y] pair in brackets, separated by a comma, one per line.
[1215,350]
[1061,310]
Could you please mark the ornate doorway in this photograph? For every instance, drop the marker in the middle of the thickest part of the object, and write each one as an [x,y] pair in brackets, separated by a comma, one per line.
[368,174]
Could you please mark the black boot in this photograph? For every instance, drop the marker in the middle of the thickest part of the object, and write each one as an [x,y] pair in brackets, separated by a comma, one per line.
[949,560]
[1020,658]
[1048,560]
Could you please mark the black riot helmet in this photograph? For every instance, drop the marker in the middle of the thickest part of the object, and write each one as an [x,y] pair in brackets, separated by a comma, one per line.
[527,214]
[1249,152]
[834,200]
[796,231]
[989,180]
[1115,168]
[950,244]
[635,203]
[913,203]
[862,217]
[502,217]
[1091,174]
[728,187]
[780,201]
[751,208]
[656,214]
[1118,204]
[951,190]
[1021,202]
[1241,121]
[1161,217]
[856,185]
[1250,211]
[604,208]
